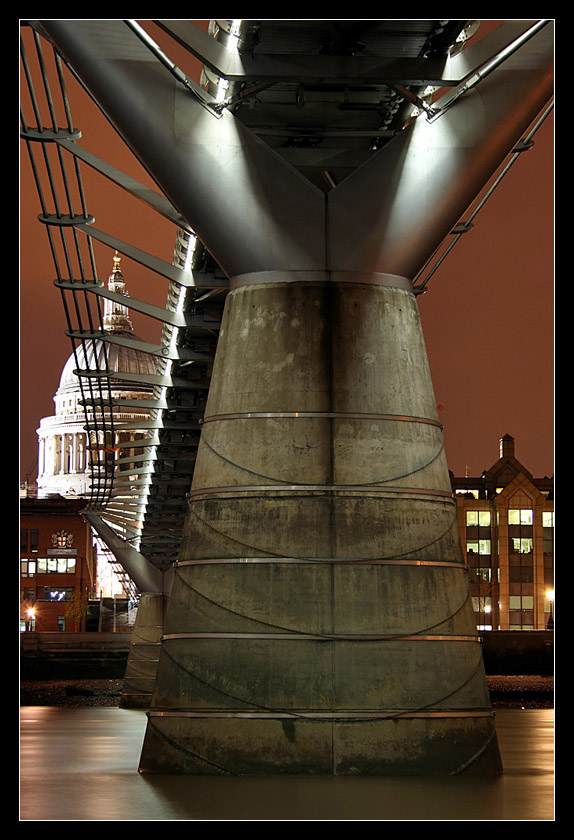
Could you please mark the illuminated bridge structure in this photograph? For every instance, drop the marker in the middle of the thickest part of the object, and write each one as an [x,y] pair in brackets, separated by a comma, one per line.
[291,508]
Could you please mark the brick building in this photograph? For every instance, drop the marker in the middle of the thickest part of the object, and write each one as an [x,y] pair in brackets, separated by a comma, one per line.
[57,564]
[506,524]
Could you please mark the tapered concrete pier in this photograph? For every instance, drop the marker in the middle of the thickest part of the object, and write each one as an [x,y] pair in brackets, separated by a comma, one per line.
[141,668]
[320,620]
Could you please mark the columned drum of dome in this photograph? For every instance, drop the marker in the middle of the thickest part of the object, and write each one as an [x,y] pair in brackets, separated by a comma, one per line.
[320,619]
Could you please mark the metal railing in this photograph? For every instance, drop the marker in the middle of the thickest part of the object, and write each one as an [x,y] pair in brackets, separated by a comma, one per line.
[45,117]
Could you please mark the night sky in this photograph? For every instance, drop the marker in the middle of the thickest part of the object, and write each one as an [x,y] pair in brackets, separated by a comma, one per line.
[488,314]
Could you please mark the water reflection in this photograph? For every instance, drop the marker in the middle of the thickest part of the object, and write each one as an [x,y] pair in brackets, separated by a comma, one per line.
[329,799]
[81,764]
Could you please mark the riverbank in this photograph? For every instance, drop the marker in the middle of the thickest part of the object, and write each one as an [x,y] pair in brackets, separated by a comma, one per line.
[514,692]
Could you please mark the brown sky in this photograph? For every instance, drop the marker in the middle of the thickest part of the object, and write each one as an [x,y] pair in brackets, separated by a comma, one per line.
[487,316]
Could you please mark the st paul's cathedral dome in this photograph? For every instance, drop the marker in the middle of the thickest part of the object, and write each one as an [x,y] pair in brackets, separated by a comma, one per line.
[64,448]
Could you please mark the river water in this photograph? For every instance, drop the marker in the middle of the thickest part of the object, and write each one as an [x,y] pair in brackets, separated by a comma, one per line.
[81,764]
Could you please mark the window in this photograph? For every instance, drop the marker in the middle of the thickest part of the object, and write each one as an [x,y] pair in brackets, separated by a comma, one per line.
[61,623]
[478,517]
[519,517]
[522,545]
[548,519]
[27,568]
[483,610]
[521,612]
[478,546]
[56,565]
[548,541]
[521,602]
[58,593]
[480,574]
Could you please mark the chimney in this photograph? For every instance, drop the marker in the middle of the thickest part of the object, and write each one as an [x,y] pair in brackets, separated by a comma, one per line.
[507,447]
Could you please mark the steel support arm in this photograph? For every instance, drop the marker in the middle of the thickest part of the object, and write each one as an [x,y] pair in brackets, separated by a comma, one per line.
[251,210]
[189,279]
[392,213]
[145,576]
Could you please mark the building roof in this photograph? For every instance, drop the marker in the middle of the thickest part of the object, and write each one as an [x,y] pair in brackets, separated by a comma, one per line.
[506,469]
[98,355]
[55,505]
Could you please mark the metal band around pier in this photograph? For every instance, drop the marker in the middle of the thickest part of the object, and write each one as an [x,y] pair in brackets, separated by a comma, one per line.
[260,278]
[318,560]
[330,415]
[282,637]
[471,713]
[310,488]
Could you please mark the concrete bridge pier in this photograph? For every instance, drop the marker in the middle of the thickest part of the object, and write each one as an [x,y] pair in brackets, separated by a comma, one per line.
[320,620]
[143,658]
[154,586]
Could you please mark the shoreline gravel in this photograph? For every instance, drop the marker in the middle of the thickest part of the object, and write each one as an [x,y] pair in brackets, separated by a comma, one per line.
[506,692]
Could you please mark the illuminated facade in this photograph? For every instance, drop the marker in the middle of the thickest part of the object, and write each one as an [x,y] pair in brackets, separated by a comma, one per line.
[63,448]
[57,565]
[506,524]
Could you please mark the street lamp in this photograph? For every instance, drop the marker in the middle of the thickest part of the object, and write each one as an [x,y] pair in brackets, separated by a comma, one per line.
[550,597]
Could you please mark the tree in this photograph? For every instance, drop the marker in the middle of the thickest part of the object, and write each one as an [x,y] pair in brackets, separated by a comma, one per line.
[77,608]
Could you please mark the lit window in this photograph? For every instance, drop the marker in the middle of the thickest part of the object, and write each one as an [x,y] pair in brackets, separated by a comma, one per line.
[478,517]
[28,568]
[478,546]
[520,517]
[522,545]
[58,593]
[482,604]
[521,602]
[548,519]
